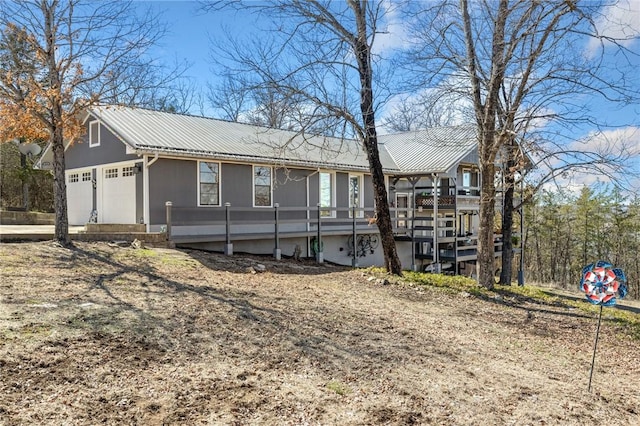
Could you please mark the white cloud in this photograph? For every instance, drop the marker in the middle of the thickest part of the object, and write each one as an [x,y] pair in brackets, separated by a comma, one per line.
[625,141]
[621,145]
[392,34]
[620,21]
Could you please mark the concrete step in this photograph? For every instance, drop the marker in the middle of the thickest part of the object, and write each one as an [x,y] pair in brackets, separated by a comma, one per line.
[114,228]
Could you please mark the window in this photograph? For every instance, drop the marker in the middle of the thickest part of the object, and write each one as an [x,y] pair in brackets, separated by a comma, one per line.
[466,178]
[127,171]
[262,186]
[355,195]
[73,177]
[209,184]
[94,134]
[326,193]
[110,173]
[86,176]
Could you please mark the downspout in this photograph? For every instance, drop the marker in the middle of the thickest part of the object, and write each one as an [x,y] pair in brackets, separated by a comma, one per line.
[145,190]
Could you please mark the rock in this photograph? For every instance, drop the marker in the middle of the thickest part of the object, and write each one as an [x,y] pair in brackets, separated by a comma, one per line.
[259,267]
[137,244]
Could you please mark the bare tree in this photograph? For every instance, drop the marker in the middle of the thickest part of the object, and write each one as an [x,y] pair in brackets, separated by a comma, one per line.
[524,73]
[321,57]
[81,49]
[435,107]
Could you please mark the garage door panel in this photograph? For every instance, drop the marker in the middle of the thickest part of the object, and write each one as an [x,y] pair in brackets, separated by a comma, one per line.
[79,196]
[118,195]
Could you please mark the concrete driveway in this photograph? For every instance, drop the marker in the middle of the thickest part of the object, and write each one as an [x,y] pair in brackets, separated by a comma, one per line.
[32,232]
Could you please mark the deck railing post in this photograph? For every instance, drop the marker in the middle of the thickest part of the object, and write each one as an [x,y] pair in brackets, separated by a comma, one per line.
[168,206]
[319,253]
[277,253]
[228,246]
[354,257]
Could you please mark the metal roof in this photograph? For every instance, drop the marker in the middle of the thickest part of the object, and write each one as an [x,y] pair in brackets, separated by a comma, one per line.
[434,150]
[179,134]
[147,131]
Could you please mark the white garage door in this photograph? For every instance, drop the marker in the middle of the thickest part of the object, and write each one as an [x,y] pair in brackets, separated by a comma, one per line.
[118,195]
[79,196]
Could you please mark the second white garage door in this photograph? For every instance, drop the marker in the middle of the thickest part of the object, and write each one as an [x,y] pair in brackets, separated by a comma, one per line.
[118,195]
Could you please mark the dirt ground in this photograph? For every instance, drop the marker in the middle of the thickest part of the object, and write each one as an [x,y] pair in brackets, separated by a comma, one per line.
[102,334]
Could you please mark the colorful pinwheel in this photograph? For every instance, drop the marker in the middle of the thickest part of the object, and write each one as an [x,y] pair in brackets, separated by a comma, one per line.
[603,284]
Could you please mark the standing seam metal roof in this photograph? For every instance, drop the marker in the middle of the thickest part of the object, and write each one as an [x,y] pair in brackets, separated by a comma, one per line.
[427,151]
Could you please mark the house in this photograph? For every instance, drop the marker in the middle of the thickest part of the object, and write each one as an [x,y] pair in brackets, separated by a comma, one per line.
[228,186]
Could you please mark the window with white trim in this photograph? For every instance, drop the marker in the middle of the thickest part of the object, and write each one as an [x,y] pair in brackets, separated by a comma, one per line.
[327,193]
[127,171]
[262,186]
[86,176]
[94,134]
[355,195]
[73,177]
[111,173]
[209,183]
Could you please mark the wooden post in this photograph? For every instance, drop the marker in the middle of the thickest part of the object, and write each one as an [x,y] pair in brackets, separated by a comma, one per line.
[228,247]
[436,251]
[319,253]
[168,206]
[277,253]
[354,257]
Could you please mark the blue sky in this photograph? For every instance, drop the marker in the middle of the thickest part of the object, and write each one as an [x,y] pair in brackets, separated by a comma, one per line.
[191,31]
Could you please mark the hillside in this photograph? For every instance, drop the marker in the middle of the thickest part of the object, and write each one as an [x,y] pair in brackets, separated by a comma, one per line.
[117,335]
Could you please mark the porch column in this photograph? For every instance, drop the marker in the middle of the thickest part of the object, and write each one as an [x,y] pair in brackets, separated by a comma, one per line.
[319,253]
[228,246]
[436,251]
[277,253]
[168,206]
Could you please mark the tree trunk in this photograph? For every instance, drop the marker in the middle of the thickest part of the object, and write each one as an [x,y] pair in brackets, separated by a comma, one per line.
[61,233]
[383,220]
[486,256]
[56,127]
[507,231]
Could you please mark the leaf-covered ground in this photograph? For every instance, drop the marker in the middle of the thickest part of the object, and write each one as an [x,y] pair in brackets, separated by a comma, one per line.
[102,334]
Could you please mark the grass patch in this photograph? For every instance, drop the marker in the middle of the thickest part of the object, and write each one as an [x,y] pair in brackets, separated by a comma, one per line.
[339,388]
[630,321]
[450,283]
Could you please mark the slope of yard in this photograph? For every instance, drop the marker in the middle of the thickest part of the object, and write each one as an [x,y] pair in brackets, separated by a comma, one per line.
[105,334]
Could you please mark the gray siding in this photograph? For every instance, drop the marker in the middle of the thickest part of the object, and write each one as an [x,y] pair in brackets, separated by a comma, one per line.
[237,184]
[314,189]
[175,181]
[342,194]
[110,150]
[369,200]
[290,190]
